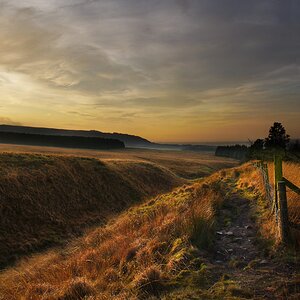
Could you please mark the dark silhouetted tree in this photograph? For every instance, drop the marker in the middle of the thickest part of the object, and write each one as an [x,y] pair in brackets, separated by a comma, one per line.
[258,145]
[256,149]
[277,138]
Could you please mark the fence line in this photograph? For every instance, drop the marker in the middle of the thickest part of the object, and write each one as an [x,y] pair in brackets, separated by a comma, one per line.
[270,193]
[277,195]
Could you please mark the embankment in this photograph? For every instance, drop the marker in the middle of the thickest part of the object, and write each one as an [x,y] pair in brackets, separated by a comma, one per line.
[45,200]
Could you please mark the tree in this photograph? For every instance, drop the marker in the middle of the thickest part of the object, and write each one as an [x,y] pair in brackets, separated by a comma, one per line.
[256,149]
[258,145]
[277,138]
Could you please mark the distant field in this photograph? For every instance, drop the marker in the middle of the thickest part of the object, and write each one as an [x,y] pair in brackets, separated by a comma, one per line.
[189,165]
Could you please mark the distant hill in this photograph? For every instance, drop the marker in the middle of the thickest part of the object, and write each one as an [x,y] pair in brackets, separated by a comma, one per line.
[81,142]
[130,141]
[127,139]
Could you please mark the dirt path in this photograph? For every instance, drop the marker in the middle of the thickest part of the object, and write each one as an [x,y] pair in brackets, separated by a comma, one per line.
[239,255]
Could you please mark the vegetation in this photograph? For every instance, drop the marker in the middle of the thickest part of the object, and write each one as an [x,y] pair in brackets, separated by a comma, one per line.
[277,137]
[277,141]
[143,252]
[253,183]
[127,139]
[186,164]
[239,152]
[46,199]
[167,248]
[60,141]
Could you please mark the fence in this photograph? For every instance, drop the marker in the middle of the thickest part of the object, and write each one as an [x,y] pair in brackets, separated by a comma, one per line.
[276,194]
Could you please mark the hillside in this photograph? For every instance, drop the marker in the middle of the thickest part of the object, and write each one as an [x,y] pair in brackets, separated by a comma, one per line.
[130,141]
[79,142]
[203,240]
[46,199]
[127,139]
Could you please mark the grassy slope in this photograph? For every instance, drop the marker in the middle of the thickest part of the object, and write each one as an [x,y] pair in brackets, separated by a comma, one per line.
[162,248]
[150,242]
[46,199]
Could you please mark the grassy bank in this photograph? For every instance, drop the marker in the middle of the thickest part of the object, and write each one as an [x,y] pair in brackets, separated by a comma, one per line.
[45,200]
[143,252]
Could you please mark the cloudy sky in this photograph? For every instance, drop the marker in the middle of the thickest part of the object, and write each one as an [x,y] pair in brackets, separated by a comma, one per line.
[172,70]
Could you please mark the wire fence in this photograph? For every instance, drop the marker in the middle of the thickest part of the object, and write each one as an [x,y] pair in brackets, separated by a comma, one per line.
[280,182]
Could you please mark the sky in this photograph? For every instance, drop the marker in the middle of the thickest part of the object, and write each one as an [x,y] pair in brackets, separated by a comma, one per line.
[172,70]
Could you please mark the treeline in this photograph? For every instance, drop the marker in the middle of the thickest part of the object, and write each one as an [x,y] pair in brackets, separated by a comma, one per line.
[277,141]
[60,141]
[244,153]
[239,152]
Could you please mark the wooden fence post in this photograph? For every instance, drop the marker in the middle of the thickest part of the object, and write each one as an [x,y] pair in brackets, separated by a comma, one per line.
[283,213]
[277,177]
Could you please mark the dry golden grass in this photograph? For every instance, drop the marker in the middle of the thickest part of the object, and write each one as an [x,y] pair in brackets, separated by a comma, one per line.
[252,179]
[51,195]
[186,164]
[291,171]
[134,257]
[145,252]
[47,199]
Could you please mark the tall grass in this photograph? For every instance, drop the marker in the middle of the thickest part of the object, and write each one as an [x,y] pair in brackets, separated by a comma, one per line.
[251,181]
[45,200]
[137,255]
[291,171]
[145,252]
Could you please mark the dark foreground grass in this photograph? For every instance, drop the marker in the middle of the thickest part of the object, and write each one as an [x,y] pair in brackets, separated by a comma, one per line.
[45,200]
